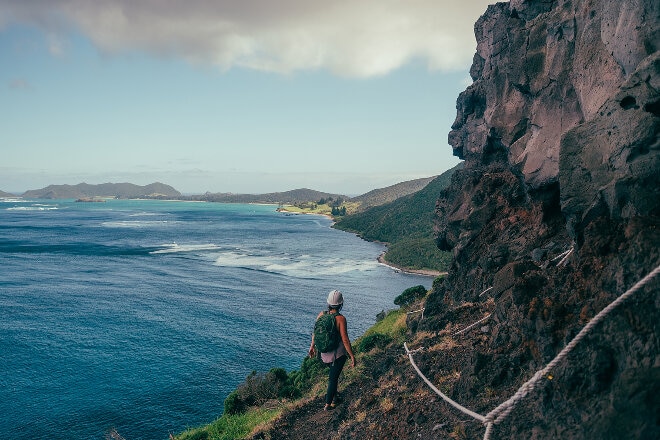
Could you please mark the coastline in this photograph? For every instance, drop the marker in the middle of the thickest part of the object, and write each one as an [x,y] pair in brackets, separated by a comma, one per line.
[283,209]
[423,272]
[381,257]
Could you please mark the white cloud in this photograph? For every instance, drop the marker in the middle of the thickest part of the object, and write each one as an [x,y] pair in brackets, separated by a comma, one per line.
[357,38]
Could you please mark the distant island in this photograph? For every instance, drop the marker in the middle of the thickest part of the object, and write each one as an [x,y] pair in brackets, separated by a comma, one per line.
[85,191]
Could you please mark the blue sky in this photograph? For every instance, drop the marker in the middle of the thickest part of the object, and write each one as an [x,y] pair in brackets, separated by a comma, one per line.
[224,96]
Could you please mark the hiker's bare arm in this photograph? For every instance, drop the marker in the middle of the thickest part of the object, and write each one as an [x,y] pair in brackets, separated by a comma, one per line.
[341,323]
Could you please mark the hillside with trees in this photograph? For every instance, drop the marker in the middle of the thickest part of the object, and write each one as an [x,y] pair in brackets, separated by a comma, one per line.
[389,194]
[406,225]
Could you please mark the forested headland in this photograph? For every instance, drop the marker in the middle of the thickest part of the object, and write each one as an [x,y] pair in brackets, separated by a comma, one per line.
[406,226]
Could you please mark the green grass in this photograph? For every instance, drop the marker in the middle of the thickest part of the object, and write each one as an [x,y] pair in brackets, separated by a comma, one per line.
[393,325]
[231,427]
[418,253]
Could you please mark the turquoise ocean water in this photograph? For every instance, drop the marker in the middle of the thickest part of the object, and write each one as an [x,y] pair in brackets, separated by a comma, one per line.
[143,315]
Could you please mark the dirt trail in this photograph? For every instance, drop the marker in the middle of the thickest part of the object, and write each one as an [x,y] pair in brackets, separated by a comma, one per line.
[309,422]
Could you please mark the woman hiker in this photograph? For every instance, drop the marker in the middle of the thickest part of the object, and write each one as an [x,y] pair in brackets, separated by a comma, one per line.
[336,358]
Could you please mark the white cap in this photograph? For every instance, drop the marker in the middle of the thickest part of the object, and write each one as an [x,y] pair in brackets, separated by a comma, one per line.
[335,298]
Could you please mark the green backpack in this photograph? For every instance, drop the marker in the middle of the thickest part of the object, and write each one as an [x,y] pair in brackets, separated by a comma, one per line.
[326,333]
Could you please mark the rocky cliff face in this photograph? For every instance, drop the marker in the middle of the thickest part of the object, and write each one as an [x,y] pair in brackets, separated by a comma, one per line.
[560,132]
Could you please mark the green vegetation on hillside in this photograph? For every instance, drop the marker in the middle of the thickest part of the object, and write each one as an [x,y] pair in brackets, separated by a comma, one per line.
[418,253]
[231,427]
[406,224]
[389,194]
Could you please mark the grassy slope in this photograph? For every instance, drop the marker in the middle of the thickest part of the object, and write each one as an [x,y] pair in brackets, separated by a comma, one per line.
[232,427]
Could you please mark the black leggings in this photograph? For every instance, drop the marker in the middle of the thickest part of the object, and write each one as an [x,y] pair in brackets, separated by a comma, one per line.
[333,378]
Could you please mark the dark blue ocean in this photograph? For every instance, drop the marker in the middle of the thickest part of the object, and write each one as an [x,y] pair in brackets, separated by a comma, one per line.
[143,315]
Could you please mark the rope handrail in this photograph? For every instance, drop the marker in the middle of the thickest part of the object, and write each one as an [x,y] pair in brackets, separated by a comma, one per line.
[563,261]
[563,257]
[487,290]
[563,254]
[498,414]
[440,393]
[417,350]
[471,326]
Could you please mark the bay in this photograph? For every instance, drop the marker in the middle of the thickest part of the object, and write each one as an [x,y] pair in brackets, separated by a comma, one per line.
[142,315]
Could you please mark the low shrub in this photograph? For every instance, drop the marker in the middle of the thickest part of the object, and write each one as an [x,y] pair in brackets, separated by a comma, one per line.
[256,389]
[301,381]
[275,384]
[410,295]
[234,404]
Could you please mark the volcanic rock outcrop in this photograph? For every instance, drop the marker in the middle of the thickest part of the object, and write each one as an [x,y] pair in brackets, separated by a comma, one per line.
[560,133]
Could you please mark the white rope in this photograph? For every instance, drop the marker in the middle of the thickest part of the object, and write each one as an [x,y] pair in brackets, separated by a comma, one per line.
[498,414]
[489,430]
[563,254]
[502,411]
[439,393]
[416,311]
[485,291]
[417,350]
[471,326]
[565,259]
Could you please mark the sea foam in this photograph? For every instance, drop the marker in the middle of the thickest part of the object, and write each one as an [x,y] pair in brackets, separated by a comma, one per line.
[174,248]
[301,266]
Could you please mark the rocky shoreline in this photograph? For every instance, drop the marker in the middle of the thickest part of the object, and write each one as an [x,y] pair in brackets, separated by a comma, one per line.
[423,272]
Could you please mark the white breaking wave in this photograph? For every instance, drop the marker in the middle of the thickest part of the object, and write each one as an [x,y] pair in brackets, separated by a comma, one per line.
[302,266]
[137,223]
[145,214]
[174,248]
[33,208]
